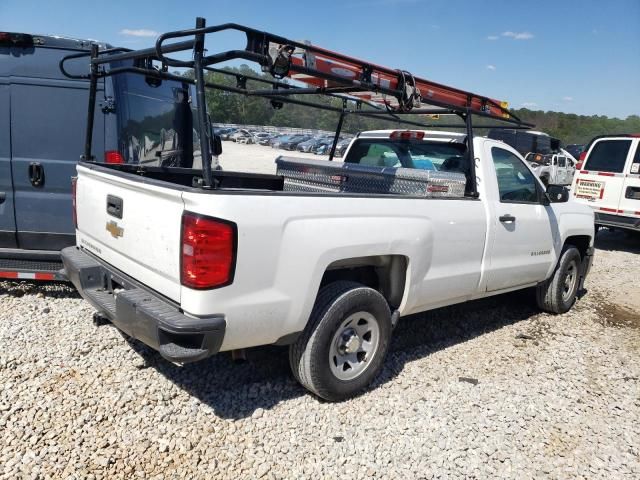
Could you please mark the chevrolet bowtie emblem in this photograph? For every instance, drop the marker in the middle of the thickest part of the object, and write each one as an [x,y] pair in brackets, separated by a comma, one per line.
[113,228]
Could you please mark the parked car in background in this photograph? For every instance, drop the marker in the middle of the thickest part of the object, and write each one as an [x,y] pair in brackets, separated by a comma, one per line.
[341,147]
[227,132]
[312,144]
[221,130]
[276,142]
[266,141]
[246,139]
[608,180]
[324,147]
[259,136]
[293,142]
[575,149]
[241,132]
[323,144]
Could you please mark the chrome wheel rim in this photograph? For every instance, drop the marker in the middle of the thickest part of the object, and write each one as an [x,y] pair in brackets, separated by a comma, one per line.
[570,281]
[354,345]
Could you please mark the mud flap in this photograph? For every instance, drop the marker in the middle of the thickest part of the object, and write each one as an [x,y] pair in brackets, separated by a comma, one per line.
[585,266]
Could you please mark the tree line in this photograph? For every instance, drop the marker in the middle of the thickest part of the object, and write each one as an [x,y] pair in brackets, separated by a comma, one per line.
[226,107]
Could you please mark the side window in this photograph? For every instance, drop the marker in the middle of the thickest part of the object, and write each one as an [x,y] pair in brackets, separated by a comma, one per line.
[608,156]
[562,161]
[374,155]
[516,183]
[384,153]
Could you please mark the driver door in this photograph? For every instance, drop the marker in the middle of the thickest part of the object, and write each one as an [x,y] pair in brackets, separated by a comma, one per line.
[521,247]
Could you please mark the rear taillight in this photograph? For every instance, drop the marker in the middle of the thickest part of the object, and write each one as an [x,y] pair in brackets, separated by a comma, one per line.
[74,183]
[113,157]
[8,39]
[208,251]
[581,159]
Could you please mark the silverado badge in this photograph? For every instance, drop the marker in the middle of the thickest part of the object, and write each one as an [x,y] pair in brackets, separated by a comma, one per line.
[113,228]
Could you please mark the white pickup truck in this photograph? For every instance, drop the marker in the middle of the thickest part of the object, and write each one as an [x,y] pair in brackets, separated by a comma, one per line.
[554,168]
[325,256]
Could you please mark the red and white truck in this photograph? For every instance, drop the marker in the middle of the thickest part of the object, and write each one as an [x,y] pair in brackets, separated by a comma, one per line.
[608,180]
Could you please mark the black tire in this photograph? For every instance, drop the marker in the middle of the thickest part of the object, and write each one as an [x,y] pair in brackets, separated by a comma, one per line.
[554,295]
[309,356]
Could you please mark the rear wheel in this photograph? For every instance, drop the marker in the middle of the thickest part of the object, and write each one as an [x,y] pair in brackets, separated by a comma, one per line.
[344,344]
[558,293]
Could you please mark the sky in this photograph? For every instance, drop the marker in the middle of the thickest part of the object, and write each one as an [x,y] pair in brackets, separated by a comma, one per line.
[580,56]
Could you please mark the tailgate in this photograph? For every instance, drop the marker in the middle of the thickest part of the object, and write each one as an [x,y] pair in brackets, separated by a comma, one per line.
[132,225]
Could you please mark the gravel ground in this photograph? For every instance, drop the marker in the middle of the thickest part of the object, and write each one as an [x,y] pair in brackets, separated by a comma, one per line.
[257,158]
[488,389]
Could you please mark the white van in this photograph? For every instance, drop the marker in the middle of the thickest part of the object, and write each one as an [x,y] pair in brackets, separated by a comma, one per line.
[608,180]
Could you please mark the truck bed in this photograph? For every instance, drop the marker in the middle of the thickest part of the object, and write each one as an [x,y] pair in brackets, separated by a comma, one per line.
[303,175]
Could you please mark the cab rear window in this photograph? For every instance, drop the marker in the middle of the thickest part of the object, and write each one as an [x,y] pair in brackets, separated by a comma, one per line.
[155,121]
[608,156]
[423,155]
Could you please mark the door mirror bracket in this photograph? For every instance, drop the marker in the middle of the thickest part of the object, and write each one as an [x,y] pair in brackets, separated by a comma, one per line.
[556,194]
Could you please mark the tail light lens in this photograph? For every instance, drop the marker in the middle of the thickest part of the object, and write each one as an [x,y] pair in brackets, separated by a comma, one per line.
[208,251]
[8,39]
[407,135]
[113,157]
[74,183]
[581,159]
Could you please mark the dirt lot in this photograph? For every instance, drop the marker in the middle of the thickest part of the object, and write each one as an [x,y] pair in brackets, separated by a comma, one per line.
[256,158]
[488,389]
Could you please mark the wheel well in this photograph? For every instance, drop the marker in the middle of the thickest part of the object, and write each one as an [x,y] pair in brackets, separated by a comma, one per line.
[581,242]
[384,273]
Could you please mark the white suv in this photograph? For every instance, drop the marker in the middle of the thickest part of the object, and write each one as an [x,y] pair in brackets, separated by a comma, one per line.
[608,180]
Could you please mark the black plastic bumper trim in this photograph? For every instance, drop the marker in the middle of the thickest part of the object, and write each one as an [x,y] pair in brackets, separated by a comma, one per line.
[142,314]
[618,221]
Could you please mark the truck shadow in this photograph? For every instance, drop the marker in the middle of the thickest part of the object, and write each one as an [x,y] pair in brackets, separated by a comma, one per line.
[618,240]
[235,390]
[20,288]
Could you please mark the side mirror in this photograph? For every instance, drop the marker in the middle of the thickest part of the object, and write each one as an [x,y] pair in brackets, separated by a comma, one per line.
[557,194]
[216,145]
